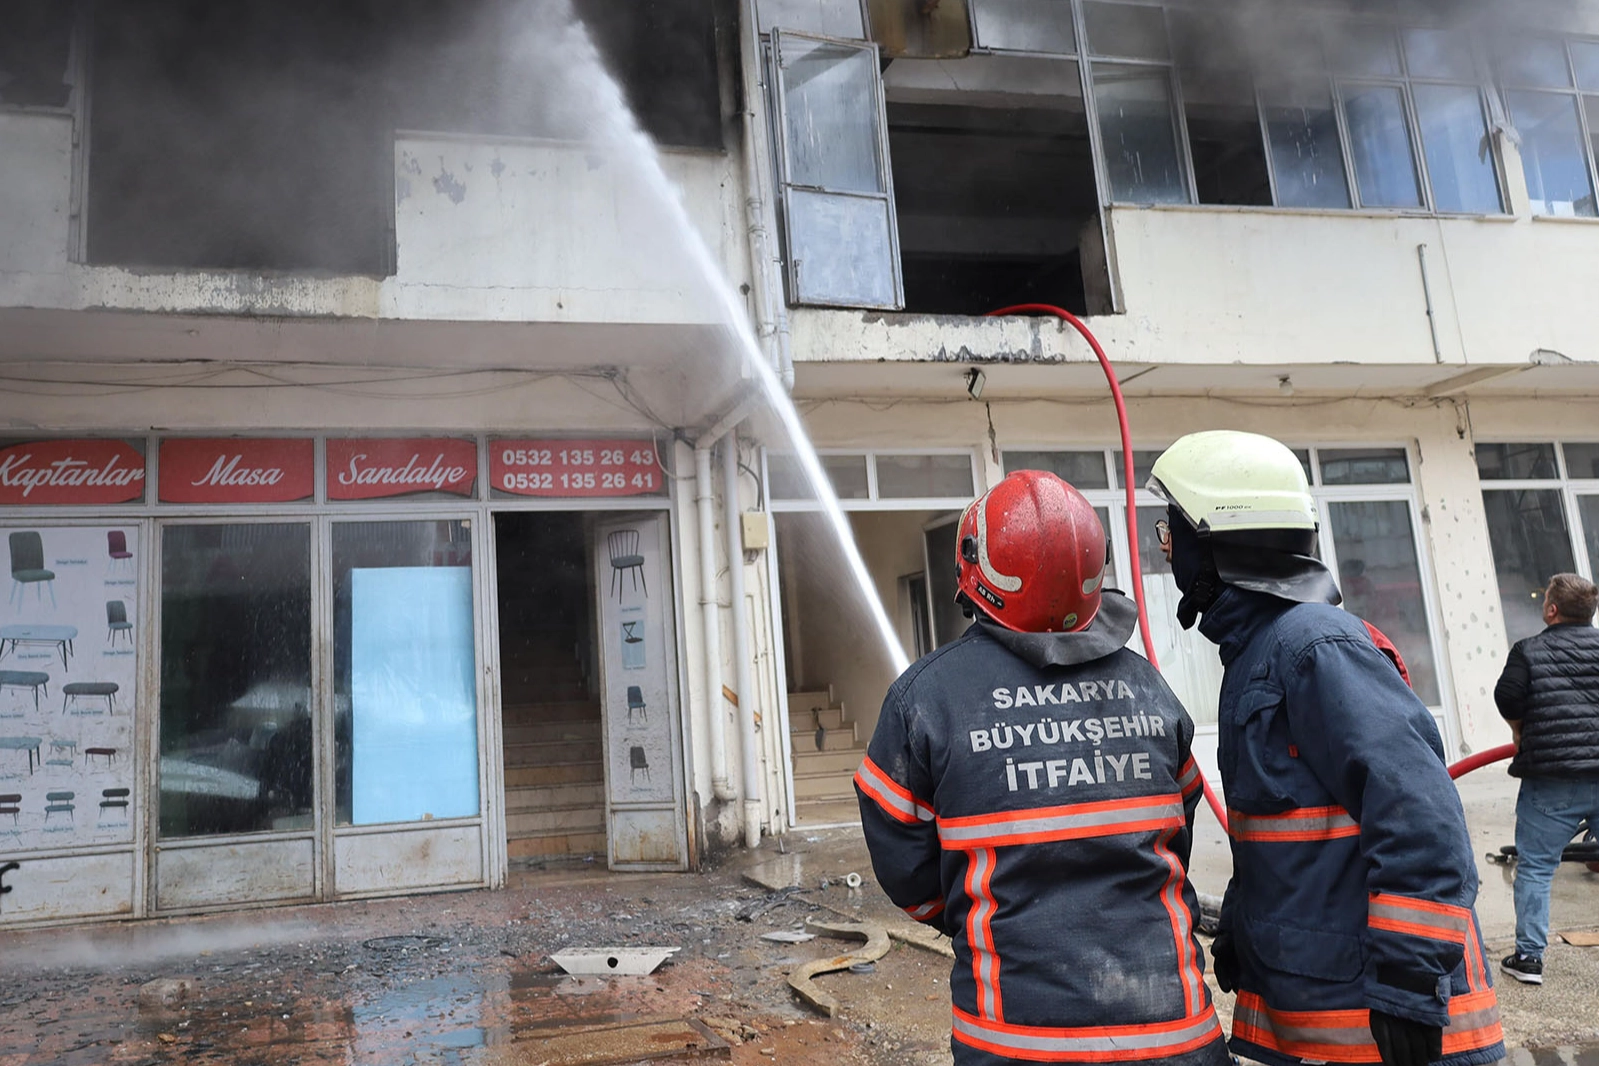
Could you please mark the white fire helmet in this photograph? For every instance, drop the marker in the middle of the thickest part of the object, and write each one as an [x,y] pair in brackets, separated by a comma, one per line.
[1225,481]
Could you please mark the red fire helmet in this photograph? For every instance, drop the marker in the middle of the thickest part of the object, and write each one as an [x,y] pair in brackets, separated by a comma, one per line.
[1031,554]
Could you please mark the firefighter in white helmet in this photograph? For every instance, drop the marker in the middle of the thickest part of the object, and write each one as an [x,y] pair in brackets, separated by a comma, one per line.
[1347,930]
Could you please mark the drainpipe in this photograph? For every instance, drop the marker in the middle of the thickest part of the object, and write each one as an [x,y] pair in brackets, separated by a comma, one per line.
[710,608]
[748,753]
[771,310]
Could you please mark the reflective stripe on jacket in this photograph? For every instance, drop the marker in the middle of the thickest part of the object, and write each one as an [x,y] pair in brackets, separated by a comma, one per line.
[1041,817]
[1353,877]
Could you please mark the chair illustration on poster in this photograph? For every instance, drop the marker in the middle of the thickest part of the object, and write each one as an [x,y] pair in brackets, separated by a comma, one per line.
[119,558]
[27,568]
[633,644]
[58,637]
[622,546]
[59,803]
[30,745]
[63,753]
[108,754]
[113,799]
[35,681]
[11,803]
[636,704]
[116,622]
[638,761]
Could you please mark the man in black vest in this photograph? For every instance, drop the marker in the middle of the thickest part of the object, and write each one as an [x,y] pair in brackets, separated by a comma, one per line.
[1549,693]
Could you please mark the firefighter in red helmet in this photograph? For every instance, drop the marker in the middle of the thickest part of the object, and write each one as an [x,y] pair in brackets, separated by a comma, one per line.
[1029,790]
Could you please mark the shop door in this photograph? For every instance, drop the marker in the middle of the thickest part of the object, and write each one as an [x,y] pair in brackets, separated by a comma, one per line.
[646,827]
[236,817]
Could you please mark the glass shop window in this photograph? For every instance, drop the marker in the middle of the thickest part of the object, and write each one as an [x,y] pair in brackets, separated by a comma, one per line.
[1380,576]
[846,472]
[236,727]
[1363,466]
[907,477]
[1081,470]
[404,672]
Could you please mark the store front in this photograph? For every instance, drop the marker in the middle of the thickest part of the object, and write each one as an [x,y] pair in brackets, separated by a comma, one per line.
[237,671]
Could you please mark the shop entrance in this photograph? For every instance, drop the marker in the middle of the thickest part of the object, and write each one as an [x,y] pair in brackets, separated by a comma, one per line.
[549,687]
[588,703]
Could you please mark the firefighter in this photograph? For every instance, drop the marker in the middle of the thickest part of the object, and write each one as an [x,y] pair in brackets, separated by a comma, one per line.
[1029,791]
[1347,930]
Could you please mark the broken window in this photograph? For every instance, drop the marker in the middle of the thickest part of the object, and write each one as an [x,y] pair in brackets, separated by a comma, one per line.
[1138,129]
[35,51]
[993,182]
[838,209]
[1546,104]
[259,134]
[1220,110]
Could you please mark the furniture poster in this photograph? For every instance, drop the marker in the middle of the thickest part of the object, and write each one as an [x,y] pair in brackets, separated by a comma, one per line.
[641,755]
[68,678]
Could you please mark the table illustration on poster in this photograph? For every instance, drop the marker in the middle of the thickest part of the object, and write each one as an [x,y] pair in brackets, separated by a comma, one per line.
[67,698]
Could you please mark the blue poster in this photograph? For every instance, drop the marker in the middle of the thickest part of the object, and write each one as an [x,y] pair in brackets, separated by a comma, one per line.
[413,694]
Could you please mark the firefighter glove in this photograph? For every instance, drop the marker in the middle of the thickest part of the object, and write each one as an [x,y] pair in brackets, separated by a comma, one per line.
[1402,1042]
[1224,964]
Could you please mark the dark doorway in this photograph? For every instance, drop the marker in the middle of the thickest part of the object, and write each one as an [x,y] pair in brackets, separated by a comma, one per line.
[549,687]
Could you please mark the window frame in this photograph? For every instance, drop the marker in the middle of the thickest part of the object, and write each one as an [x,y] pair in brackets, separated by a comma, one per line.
[1570,490]
[786,184]
[1408,491]
[874,501]
[1587,126]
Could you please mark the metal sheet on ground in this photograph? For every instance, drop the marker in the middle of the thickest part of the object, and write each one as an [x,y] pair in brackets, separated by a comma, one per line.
[615,1045]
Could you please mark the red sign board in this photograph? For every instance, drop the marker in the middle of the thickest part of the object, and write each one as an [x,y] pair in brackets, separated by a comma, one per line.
[369,469]
[236,470]
[575,467]
[71,471]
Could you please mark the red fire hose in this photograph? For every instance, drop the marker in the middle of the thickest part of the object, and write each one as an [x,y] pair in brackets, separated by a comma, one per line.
[1464,766]
[1132,493]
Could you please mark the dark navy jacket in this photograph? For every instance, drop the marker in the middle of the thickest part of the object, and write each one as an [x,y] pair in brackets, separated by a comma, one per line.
[1040,815]
[1551,686]
[1353,877]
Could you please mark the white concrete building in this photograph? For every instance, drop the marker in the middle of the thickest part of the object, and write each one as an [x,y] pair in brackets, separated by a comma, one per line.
[357,381]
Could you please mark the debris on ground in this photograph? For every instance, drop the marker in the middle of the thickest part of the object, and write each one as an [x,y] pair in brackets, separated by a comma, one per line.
[623,961]
[788,936]
[876,946]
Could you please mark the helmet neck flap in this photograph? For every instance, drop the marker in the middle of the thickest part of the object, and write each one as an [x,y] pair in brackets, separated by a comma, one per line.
[1276,562]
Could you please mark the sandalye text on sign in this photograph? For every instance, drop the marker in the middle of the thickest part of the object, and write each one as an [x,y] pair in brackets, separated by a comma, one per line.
[372,468]
[575,468]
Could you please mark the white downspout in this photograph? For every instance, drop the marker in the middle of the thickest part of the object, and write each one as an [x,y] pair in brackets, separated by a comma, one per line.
[721,787]
[771,309]
[744,679]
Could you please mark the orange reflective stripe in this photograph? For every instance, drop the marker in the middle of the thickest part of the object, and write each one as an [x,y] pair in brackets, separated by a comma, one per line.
[1344,1036]
[980,933]
[1074,821]
[1476,970]
[1171,895]
[925,910]
[1188,778]
[1305,823]
[1418,917]
[1108,1043]
[895,799]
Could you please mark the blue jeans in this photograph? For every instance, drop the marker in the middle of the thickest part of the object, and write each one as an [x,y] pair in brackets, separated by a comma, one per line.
[1548,814]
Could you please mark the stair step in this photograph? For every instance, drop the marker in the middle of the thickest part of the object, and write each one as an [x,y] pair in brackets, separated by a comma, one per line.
[824,786]
[553,710]
[832,739]
[537,732]
[554,797]
[526,754]
[808,720]
[549,845]
[581,818]
[583,771]
[846,761]
[827,812]
[799,702]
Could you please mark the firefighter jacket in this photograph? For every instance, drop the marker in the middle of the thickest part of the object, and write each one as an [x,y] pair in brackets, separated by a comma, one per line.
[1032,795]
[1353,878]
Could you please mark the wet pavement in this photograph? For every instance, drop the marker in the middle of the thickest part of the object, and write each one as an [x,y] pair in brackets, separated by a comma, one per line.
[465,978]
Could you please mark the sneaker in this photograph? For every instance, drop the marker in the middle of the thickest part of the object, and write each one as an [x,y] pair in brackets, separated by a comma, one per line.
[1524,968]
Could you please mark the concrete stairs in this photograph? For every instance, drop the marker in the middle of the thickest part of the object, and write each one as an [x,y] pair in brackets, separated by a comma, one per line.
[554,777]
[827,751]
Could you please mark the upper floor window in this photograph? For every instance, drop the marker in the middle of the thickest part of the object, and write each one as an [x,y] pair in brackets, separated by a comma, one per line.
[1552,92]
[863,480]
[1542,504]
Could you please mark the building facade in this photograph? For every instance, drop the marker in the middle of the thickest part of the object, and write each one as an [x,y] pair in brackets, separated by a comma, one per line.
[385,501]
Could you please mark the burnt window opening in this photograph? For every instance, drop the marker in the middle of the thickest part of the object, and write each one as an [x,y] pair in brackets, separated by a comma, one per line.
[994,192]
[35,53]
[259,134]
[1219,107]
